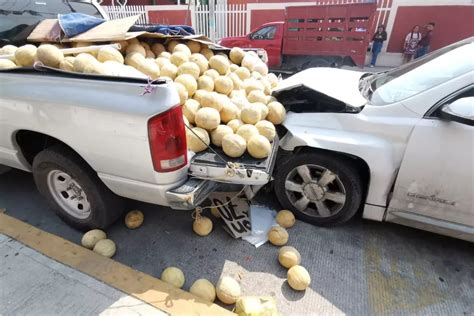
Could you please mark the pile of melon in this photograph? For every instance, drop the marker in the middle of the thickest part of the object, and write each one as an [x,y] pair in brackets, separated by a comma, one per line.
[225,97]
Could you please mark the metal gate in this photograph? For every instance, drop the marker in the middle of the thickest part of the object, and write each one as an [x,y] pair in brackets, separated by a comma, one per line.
[220,20]
[118,12]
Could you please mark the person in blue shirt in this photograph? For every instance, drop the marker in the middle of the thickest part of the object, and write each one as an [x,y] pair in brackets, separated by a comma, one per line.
[379,37]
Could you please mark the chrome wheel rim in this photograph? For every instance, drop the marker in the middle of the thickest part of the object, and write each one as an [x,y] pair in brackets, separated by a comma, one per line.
[315,191]
[68,194]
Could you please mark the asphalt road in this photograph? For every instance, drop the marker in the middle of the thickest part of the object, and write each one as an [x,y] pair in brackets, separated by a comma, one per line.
[361,268]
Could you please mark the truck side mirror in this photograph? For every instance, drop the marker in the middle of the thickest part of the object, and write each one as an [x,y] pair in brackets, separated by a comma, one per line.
[461,111]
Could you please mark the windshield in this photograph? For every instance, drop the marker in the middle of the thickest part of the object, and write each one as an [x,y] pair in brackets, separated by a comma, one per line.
[423,74]
[19,17]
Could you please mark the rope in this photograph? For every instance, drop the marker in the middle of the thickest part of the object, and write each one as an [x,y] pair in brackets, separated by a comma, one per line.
[149,88]
[196,215]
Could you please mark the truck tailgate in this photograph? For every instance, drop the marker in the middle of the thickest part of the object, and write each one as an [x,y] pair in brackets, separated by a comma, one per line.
[217,166]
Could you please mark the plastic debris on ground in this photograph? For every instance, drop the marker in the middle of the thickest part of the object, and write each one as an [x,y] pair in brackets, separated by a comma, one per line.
[262,220]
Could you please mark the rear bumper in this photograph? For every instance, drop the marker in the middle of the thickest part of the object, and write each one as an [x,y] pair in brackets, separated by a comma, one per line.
[190,194]
[183,195]
[140,191]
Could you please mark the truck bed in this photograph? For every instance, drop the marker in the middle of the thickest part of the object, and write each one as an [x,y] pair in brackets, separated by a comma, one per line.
[217,166]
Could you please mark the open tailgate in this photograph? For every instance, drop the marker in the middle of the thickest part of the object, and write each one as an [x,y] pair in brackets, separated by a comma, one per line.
[216,166]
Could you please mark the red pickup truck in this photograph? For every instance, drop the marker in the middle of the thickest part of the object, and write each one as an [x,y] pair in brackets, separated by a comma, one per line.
[311,36]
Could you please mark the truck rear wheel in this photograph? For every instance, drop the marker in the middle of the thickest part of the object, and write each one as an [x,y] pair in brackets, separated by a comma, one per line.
[319,188]
[73,189]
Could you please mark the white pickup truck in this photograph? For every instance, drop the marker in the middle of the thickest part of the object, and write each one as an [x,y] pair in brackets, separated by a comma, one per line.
[90,139]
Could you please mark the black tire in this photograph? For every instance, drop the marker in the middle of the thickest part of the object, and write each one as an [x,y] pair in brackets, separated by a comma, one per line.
[106,207]
[342,167]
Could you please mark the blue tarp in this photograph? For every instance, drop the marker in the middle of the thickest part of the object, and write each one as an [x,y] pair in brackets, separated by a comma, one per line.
[164,29]
[74,24]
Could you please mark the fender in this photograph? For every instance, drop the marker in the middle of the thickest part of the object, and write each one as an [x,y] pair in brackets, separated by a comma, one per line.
[380,152]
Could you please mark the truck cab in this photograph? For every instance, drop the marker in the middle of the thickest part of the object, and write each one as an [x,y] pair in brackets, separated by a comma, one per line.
[313,36]
[268,36]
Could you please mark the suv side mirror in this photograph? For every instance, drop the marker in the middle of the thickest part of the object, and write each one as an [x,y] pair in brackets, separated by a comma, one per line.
[461,111]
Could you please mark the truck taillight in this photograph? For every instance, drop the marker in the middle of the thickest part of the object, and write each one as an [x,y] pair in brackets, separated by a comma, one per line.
[167,137]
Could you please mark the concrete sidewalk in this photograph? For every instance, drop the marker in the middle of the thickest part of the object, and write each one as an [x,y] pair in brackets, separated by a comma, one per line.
[33,284]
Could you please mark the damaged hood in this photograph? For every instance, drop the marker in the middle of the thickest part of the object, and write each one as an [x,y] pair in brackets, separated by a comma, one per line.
[339,84]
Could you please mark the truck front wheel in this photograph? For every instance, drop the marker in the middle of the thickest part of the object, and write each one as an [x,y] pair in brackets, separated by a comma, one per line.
[74,190]
[321,189]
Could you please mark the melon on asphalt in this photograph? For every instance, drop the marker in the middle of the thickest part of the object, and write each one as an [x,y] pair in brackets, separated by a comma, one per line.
[134,219]
[202,226]
[298,278]
[204,289]
[278,236]
[90,238]
[288,256]
[173,276]
[285,218]
[105,247]
[228,290]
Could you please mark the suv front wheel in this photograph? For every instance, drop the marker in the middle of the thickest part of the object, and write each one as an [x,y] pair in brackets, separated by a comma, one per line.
[319,188]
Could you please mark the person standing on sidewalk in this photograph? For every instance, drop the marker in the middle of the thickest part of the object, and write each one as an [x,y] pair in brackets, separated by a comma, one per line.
[411,44]
[379,37]
[424,44]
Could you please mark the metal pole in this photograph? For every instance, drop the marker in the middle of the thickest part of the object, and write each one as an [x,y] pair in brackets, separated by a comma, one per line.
[212,20]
